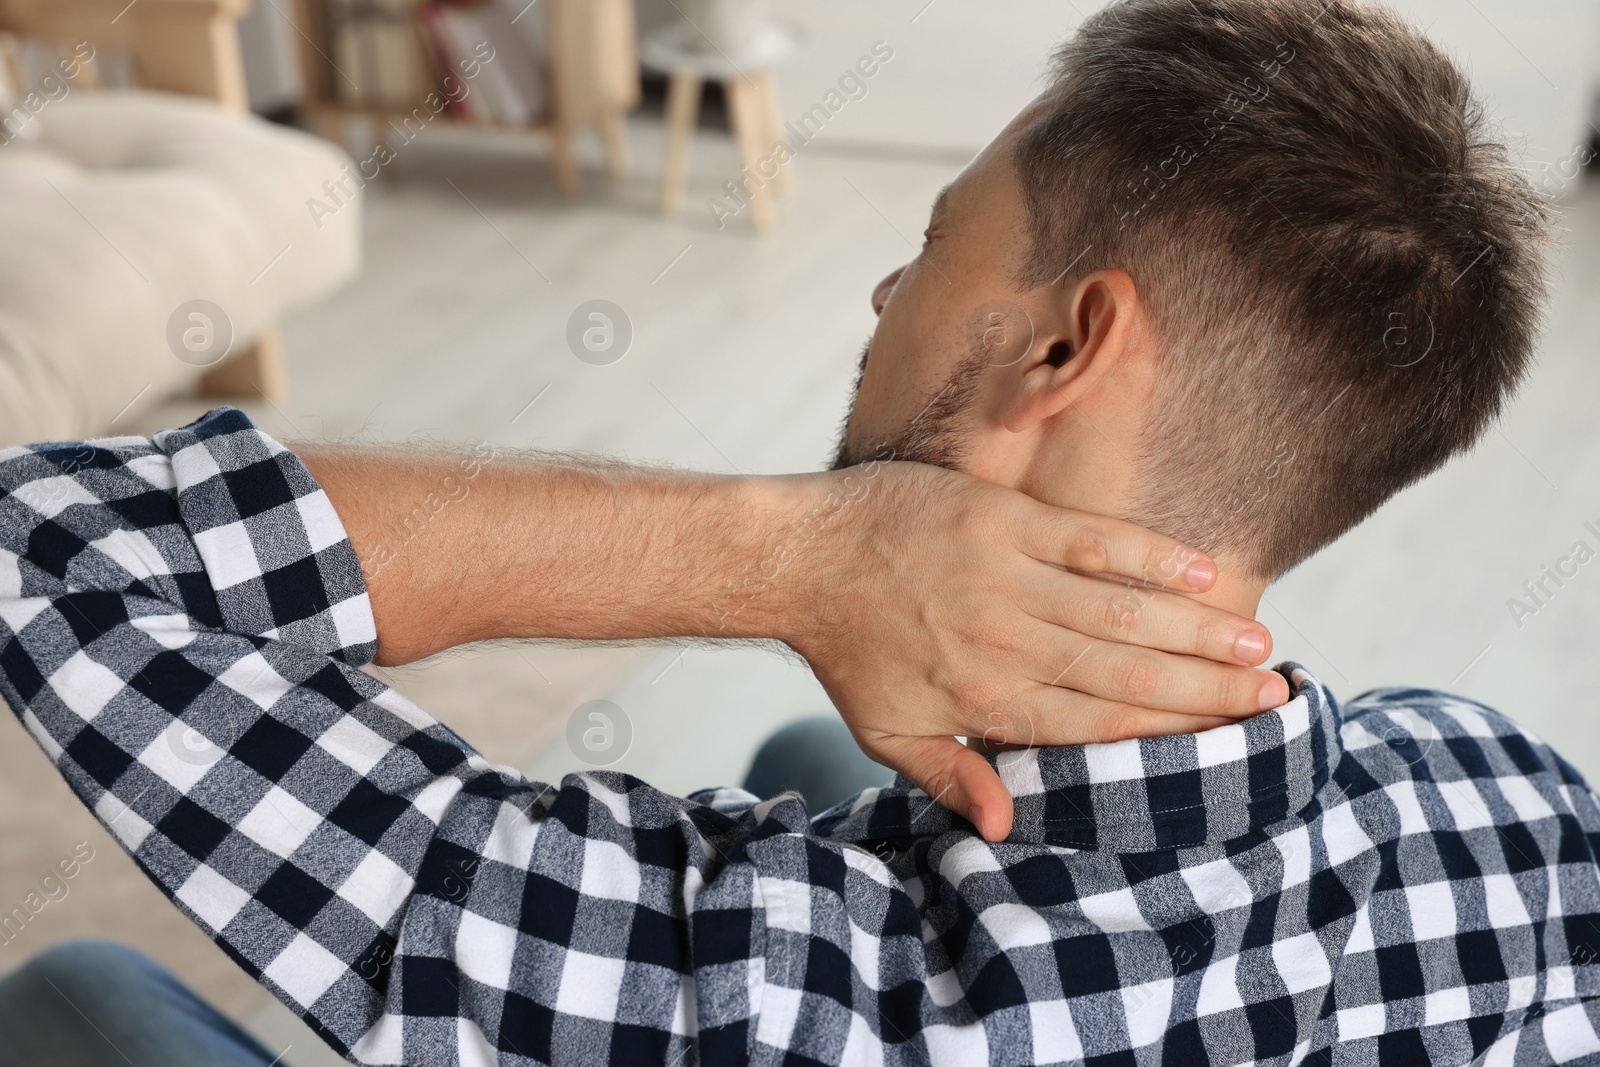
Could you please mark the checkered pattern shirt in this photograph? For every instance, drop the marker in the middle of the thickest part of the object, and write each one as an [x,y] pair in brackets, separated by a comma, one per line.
[1407,879]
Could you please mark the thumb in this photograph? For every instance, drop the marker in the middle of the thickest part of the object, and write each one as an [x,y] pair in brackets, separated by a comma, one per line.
[956,777]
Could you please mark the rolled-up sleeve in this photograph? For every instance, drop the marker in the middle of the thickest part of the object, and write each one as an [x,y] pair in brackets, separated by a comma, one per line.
[182,626]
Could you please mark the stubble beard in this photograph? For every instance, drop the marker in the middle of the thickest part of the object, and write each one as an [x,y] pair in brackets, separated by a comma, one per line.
[936,435]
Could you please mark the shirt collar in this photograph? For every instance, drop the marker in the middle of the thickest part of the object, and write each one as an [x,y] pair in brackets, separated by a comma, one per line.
[1178,791]
[1182,790]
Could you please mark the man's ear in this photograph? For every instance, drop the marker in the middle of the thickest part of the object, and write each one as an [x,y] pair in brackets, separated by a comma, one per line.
[1089,332]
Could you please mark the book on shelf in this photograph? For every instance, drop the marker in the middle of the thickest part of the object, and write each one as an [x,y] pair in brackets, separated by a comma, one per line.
[391,53]
[438,28]
[505,45]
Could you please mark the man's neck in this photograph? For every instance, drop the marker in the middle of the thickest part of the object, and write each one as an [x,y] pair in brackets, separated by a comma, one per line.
[1236,590]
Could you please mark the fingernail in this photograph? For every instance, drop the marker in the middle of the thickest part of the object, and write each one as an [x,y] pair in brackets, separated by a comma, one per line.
[1251,647]
[1269,694]
[1200,573]
[975,817]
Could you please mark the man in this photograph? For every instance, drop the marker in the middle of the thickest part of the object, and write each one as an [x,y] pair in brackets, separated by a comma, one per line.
[1244,271]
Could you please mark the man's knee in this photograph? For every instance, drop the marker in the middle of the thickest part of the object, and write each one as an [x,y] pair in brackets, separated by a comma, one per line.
[77,971]
[824,734]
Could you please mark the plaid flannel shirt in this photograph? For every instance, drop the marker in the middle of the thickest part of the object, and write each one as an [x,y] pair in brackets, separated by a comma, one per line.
[1410,878]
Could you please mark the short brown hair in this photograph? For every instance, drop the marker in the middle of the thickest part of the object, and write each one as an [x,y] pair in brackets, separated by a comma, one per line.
[1344,269]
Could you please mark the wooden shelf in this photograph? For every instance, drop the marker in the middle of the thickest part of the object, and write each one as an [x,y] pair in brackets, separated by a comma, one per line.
[593,81]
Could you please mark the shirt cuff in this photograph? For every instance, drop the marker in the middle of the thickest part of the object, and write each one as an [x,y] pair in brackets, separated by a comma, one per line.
[279,561]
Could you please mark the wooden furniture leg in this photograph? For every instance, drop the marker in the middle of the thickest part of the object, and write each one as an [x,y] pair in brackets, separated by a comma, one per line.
[749,128]
[257,371]
[568,178]
[683,109]
[594,79]
[771,112]
[614,132]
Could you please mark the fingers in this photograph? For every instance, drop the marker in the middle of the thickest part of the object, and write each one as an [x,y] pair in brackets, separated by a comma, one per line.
[953,775]
[1154,618]
[1147,678]
[1099,545]
[961,780]
[1050,715]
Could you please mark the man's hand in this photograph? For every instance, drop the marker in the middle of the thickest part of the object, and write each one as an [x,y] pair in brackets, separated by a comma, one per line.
[928,605]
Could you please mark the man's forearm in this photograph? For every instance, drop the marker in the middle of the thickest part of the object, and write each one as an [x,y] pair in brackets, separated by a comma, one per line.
[470,546]
[929,604]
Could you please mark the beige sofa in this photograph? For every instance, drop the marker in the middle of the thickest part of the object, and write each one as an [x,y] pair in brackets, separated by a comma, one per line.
[121,209]
[129,205]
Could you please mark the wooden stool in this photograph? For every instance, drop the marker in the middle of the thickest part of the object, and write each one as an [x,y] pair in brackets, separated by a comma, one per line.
[752,109]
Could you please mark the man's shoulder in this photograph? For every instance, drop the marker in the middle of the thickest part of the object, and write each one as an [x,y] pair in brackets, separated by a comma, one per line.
[1438,734]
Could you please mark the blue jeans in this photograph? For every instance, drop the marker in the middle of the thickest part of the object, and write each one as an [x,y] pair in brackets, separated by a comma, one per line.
[99,1004]
[816,758]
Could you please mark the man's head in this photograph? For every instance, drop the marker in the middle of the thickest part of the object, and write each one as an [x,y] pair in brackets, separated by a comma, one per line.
[1244,271]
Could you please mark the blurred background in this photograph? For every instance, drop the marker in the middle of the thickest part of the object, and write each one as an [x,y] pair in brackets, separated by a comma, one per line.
[567,224]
